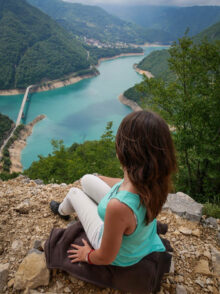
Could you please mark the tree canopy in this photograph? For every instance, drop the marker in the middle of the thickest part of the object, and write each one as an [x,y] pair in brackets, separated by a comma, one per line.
[191,105]
[70,164]
[34,47]
[6,125]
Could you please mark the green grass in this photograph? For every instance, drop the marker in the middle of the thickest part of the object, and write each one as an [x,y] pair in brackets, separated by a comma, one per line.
[211,209]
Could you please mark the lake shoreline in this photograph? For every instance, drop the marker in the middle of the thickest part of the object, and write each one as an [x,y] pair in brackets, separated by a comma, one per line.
[147,73]
[133,105]
[16,148]
[118,56]
[154,45]
[55,84]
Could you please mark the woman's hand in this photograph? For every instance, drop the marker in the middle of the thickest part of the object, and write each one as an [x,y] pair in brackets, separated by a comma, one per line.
[79,253]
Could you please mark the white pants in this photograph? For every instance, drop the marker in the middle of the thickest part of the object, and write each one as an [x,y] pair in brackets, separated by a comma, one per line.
[85,204]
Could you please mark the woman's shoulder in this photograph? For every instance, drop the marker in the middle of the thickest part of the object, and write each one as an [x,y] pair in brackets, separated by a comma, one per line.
[118,208]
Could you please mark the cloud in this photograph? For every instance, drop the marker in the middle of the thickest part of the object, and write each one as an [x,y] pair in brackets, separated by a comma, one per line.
[150,2]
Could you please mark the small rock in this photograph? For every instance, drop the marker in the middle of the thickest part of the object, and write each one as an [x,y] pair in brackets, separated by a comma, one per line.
[218,238]
[172,267]
[196,233]
[211,221]
[39,182]
[32,272]
[210,288]
[23,207]
[73,280]
[215,260]
[37,292]
[180,279]
[1,249]
[185,231]
[55,186]
[59,285]
[180,289]
[17,245]
[38,245]
[215,291]
[63,185]
[67,290]
[4,270]
[202,267]
[207,254]
[81,283]
[209,281]
[199,282]
[33,250]
[26,181]
[11,283]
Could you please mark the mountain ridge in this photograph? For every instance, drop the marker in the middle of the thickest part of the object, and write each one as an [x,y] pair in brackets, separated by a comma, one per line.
[174,20]
[159,59]
[34,47]
[94,22]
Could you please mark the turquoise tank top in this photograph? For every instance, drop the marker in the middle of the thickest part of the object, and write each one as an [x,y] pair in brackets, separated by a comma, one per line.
[143,240]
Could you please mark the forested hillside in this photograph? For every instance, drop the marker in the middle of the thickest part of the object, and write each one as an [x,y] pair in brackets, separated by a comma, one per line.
[190,104]
[97,53]
[34,47]
[173,20]
[70,164]
[211,34]
[6,125]
[94,22]
[157,64]
[157,61]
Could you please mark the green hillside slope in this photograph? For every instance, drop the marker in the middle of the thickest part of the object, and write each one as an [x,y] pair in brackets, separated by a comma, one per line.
[212,33]
[94,22]
[157,64]
[157,61]
[34,47]
[6,125]
[173,20]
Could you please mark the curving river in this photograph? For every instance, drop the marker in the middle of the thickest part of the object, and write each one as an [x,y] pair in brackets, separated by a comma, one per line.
[78,112]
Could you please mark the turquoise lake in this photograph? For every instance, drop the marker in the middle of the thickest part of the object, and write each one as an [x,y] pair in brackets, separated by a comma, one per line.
[78,112]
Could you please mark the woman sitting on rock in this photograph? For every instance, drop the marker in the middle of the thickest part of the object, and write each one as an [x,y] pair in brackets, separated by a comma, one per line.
[119,215]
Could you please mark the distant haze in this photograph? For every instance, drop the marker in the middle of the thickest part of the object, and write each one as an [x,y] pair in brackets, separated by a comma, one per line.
[150,2]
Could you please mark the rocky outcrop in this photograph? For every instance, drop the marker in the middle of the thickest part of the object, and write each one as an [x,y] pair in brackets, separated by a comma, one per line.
[4,270]
[26,222]
[32,272]
[184,206]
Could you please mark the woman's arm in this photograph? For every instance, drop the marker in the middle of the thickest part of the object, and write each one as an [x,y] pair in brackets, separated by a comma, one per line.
[110,181]
[116,222]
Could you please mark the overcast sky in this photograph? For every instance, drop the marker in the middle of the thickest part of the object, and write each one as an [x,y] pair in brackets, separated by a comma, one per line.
[151,2]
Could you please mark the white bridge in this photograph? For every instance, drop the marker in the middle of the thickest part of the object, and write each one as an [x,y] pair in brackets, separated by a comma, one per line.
[18,121]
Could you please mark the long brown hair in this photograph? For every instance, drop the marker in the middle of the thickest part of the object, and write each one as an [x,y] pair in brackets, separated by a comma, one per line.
[145,149]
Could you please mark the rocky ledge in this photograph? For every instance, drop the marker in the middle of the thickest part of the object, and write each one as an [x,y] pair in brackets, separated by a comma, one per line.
[26,222]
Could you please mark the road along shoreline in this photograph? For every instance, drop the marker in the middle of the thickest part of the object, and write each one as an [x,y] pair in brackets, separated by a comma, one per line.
[18,145]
